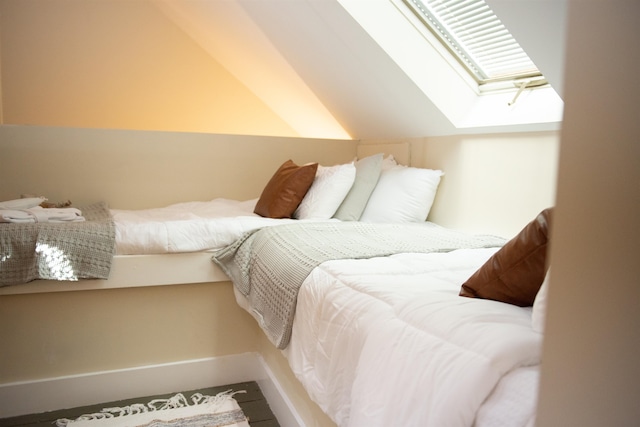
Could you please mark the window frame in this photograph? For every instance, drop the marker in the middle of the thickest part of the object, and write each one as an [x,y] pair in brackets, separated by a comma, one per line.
[449,40]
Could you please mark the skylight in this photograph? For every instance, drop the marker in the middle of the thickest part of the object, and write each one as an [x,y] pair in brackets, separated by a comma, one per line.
[468,104]
[476,37]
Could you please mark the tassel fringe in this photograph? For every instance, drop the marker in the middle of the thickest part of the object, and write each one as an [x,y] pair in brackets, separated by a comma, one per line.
[176,401]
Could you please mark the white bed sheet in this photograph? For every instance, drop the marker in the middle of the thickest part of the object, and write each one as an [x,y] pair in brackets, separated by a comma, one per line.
[186,227]
[388,341]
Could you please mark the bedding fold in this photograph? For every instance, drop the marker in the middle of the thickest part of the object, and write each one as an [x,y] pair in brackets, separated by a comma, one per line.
[268,265]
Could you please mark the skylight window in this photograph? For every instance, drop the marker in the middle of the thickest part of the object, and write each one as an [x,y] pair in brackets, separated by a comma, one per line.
[476,37]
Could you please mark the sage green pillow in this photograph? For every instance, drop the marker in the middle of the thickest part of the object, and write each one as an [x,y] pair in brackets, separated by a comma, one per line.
[367,174]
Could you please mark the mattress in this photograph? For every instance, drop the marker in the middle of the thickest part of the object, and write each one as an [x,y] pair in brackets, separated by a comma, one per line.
[167,245]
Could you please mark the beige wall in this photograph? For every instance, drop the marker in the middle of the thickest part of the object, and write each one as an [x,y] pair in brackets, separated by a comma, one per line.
[591,374]
[65,333]
[493,183]
[140,169]
[119,65]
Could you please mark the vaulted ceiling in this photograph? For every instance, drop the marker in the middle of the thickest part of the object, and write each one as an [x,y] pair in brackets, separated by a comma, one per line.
[303,57]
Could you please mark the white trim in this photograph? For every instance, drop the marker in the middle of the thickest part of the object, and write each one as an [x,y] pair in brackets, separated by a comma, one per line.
[279,401]
[28,397]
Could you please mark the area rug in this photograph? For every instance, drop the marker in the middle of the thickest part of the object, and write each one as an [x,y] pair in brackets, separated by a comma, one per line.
[201,411]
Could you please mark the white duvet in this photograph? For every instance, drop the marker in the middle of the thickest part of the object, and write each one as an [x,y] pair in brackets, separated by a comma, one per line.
[186,227]
[388,342]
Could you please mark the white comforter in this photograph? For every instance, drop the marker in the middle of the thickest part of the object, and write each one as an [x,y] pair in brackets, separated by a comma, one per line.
[388,342]
[186,227]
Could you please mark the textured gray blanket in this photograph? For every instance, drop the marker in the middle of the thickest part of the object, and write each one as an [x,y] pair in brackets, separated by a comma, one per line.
[269,265]
[58,251]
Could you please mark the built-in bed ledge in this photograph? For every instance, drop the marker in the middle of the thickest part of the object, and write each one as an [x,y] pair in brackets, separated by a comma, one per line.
[136,271]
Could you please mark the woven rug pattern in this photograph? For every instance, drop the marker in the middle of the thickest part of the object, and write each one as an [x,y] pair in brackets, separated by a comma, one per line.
[177,411]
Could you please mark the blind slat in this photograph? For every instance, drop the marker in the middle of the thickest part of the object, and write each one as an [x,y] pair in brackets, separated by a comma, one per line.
[476,35]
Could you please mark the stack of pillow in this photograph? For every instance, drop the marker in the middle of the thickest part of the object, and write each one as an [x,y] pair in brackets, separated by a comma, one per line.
[372,189]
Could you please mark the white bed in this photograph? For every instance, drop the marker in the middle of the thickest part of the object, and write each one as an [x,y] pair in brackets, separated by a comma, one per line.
[200,227]
[388,341]
[161,246]
[166,245]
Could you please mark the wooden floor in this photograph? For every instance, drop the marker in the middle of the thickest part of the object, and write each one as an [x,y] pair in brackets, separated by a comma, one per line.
[253,404]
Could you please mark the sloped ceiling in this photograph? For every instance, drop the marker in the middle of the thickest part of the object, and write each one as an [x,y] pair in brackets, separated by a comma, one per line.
[314,54]
[351,74]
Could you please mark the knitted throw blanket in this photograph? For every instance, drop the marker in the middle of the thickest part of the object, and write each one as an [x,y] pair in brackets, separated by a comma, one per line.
[269,265]
[58,251]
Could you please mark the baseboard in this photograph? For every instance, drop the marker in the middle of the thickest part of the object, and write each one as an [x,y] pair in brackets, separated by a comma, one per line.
[49,394]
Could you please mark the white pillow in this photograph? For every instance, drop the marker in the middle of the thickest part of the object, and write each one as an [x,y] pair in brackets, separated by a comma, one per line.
[329,188]
[403,194]
[539,310]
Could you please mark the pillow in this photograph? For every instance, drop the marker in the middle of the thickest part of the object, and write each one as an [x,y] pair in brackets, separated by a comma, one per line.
[329,188]
[515,273]
[403,194]
[539,310]
[285,190]
[367,174]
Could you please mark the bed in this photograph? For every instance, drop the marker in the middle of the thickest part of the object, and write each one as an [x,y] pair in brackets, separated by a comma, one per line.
[177,235]
[400,322]
[388,341]
[307,193]
[379,334]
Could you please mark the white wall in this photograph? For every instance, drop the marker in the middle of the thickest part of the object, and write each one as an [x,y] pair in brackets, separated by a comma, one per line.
[591,374]
[493,183]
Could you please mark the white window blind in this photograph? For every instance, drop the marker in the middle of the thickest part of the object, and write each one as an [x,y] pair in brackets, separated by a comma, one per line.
[475,35]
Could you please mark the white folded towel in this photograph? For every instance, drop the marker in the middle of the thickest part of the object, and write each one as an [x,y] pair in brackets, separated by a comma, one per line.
[40,214]
[25,203]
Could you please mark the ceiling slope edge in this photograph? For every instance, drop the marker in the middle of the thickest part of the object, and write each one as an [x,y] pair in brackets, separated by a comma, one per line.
[348,70]
[225,31]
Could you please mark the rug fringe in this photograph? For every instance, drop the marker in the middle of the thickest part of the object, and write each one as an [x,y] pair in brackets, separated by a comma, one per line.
[176,401]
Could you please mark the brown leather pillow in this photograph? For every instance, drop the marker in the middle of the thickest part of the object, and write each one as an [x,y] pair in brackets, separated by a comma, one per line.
[285,190]
[515,273]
